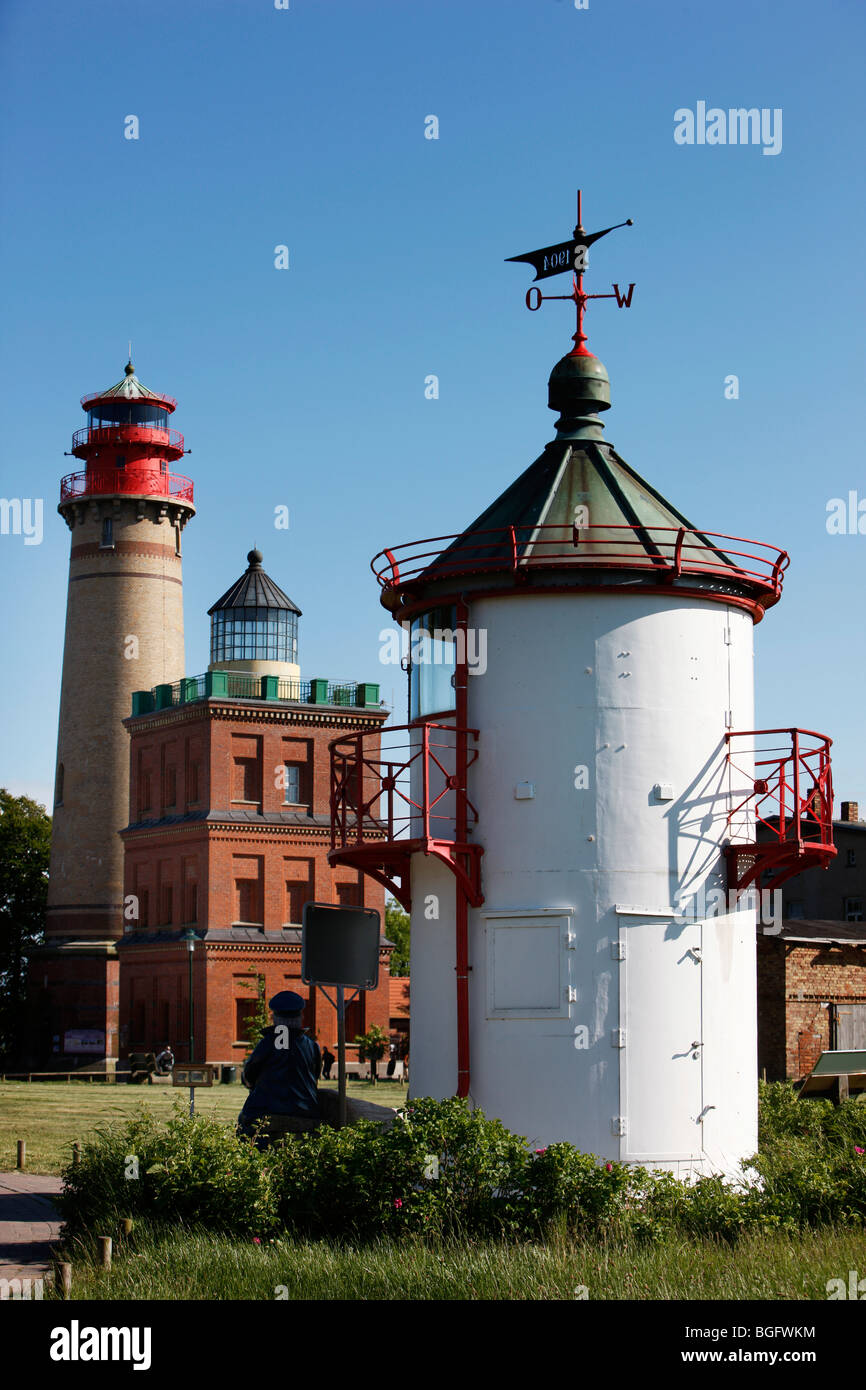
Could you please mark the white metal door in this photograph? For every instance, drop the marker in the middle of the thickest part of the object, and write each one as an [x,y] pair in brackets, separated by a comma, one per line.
[660,1014]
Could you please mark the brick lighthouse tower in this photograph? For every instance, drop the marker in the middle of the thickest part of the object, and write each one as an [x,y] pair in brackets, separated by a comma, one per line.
[124,631]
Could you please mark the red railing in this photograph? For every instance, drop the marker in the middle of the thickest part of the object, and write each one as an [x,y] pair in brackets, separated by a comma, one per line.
[135,482]
[376,821]
[668,551]
[370,786]
[115,436]
[791,796]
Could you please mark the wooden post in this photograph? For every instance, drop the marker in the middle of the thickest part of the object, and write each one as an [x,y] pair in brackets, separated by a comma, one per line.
[105,1247]
[63,1274]
[22,1153]
[76,1153]
[126,1226]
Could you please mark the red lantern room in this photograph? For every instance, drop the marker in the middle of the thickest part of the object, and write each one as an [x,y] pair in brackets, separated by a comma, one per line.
[127,445]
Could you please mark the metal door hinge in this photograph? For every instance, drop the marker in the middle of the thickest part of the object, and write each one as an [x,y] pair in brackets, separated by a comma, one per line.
[617,1125]
[617,1037]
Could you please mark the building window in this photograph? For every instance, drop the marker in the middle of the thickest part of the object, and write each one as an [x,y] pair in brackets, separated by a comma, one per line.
[193,782]
[120,461]
[299,888]
[144,793]
[246,780]
[293,783]
[58,793]
[296,896]
[166,905]
[244,1011]
[107,542]
[796,910]
[349,894]
[851,859]
[853,910]
[143,907]
[177,539]
[247,902]
[170,787]
[433,663]
[192,903]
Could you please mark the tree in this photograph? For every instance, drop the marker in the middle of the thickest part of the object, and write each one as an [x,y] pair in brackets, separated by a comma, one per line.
[25,847]
[372,1046]
[397,930]
[259,1018]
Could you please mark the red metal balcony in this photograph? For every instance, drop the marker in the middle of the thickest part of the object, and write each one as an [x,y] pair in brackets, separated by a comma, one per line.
[119,436]
[791,796]
[377,824]
[148,482]
[668,552]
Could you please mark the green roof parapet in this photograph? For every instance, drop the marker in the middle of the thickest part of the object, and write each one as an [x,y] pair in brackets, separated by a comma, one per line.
[216,683]
[239,685]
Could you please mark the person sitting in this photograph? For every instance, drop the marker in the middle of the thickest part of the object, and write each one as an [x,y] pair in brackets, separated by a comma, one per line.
[281,1074]
[165,1061]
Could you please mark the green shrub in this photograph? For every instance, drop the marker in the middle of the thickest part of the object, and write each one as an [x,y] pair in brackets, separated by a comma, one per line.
[448,1171]
[192,1170]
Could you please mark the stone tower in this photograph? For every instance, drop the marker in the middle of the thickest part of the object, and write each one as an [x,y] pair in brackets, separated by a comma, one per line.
[124,632]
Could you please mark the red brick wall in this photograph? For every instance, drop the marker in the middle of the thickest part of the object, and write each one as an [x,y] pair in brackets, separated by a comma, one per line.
[214,856]
[794,981]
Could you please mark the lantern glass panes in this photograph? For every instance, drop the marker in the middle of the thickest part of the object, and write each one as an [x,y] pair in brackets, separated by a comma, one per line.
[254,634]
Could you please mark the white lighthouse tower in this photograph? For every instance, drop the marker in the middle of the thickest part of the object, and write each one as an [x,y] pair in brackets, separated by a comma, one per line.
[569,813]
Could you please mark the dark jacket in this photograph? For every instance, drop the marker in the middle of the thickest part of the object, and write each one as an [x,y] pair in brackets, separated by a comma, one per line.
[283,1079]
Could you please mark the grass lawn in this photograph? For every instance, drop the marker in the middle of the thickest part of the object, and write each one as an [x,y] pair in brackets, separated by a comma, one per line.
[183,1265]
[51,1115]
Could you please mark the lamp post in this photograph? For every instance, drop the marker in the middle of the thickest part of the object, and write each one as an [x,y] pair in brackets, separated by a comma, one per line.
[190,938]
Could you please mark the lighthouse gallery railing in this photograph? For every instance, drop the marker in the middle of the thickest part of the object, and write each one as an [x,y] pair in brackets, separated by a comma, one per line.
[668,551]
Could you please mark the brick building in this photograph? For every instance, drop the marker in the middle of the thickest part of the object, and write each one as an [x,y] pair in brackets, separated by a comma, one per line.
[229,831]
[812,975]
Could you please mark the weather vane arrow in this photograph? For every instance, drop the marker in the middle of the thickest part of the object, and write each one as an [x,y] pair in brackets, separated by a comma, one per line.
[574,256]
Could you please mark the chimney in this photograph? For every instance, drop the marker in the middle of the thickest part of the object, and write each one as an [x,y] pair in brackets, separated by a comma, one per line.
[850,810]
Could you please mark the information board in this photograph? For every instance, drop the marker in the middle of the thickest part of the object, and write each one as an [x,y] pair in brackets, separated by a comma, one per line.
[340,946]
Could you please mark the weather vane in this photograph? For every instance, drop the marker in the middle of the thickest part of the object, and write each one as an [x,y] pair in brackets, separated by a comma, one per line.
[574,256]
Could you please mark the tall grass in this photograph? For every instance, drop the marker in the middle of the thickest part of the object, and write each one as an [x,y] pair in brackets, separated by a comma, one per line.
[184,1264]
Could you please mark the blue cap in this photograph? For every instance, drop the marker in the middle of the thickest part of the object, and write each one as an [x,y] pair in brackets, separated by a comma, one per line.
[287,1002]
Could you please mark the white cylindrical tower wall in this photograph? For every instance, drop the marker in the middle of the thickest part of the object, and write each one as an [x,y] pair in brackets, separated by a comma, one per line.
[587,996]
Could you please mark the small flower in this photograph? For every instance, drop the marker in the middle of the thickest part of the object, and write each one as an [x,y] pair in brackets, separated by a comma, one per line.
[541,1151]
[608,1167]
[858,1150]
[256,1240]
[398,1203]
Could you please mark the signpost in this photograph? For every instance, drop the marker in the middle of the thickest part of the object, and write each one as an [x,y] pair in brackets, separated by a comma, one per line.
[82,1041]
[192,1074]
[340,948]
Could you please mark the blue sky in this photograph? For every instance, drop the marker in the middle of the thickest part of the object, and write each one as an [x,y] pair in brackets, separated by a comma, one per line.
[305,387]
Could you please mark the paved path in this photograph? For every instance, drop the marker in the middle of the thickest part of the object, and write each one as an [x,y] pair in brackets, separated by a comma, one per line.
[29,1224]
